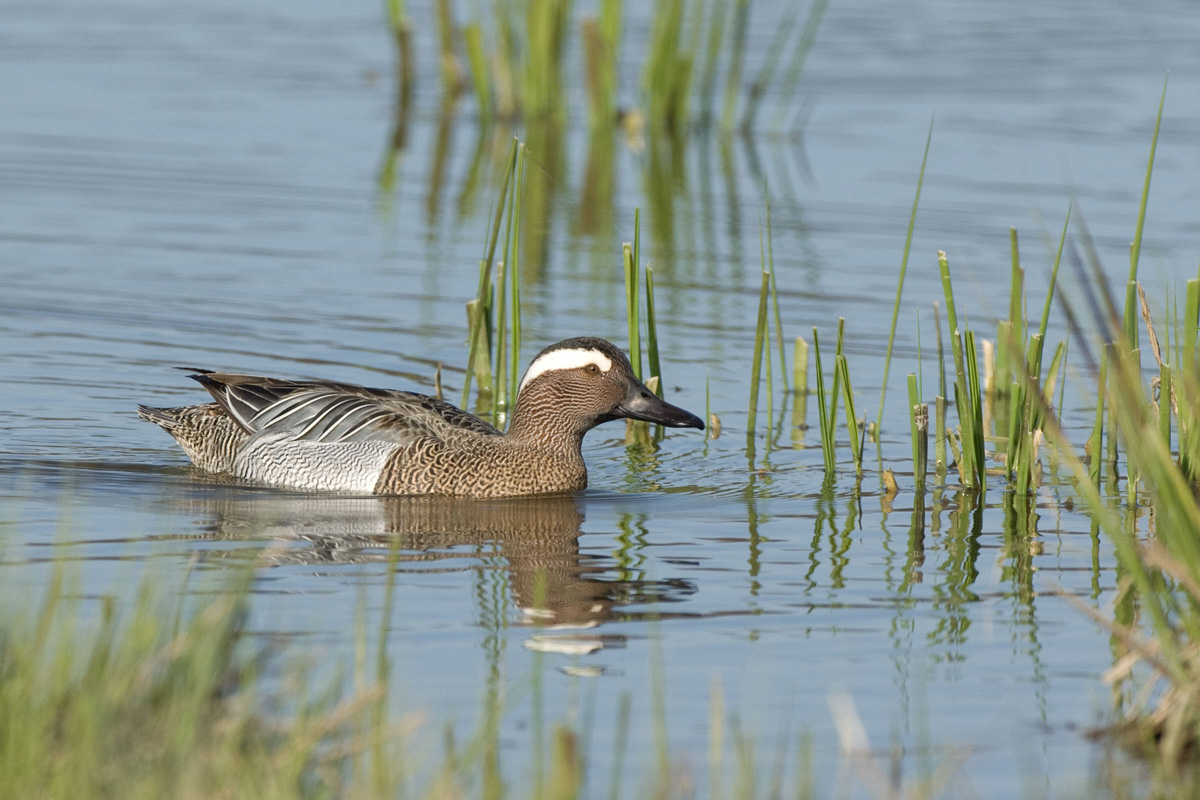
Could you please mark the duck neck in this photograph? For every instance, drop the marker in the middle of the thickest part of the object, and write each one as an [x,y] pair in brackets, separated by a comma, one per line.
[546,428]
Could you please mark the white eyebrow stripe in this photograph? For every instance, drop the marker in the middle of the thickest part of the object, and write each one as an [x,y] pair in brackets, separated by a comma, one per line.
[573,358]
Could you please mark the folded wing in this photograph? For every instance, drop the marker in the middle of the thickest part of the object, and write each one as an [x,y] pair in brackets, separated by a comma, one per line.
[334,412]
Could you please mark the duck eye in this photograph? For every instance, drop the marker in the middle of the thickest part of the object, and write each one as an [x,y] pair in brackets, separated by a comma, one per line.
[592,369]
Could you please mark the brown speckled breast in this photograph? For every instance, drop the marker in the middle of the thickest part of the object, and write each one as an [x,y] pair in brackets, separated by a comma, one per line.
[480,467]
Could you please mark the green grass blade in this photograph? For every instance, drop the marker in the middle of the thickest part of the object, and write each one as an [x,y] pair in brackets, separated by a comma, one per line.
[1164,404]
[1129,318]
[856,439]
[631,309]
[937,324]
[827,431]
[914,398]
[760,334]
[976,409]
[912,223]
[800,367]
[836,391]
[1054,275]
[652,331]
[514,258]
[775,300]
[1136,251]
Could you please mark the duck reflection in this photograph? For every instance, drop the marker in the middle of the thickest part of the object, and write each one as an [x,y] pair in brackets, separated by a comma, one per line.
[552,582]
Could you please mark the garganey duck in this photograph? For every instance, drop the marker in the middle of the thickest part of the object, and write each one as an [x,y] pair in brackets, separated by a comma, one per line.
[339,437]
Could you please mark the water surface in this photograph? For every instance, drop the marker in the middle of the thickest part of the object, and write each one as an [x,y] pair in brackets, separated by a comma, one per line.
[199,185]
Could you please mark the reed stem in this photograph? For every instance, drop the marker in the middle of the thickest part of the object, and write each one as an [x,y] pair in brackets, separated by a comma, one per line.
[912,223]
[827,432]
[760,334]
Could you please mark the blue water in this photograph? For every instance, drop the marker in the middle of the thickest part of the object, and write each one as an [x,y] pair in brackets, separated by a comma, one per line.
[198,185]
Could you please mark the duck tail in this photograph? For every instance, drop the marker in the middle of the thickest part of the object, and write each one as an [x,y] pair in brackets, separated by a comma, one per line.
[165,418]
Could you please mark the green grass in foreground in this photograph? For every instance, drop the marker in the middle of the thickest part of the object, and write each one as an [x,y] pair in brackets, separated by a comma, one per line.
[144,699]
[136,704]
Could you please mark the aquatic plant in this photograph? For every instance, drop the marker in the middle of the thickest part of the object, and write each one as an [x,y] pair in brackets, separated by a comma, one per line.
[912,224]
[149,696]
[493,347]
[518,70]
[637,277]
[155,701]
[1157,623]
[761,343]
[768,301]
[827,406]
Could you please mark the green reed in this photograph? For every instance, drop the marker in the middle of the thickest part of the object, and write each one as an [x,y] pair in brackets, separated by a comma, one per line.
[1189,408]
[800,367]
[1160,624]
[635,279]
[514,258]
[546,25]
[856,437]
[919,431]
[968,399]
[912,223]
[137,698]
[508,348]
[941,462]
[652,361]
[828,444]
[601,43]
[836,391]
[768,301]
[1019,414]
[670,62]
[775,298]
[827,406]
[486,367]
[1095,443]
[519,70]
[152,695]
[708,415]
[761,339]
[1135,250]
[631,308]
[1165,573]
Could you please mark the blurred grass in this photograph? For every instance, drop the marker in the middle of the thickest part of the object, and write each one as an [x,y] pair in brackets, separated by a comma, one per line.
[153,695]
[516,55]
[124,702]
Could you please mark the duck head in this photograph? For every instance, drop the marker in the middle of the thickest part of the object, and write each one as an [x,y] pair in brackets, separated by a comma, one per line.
[585,381]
